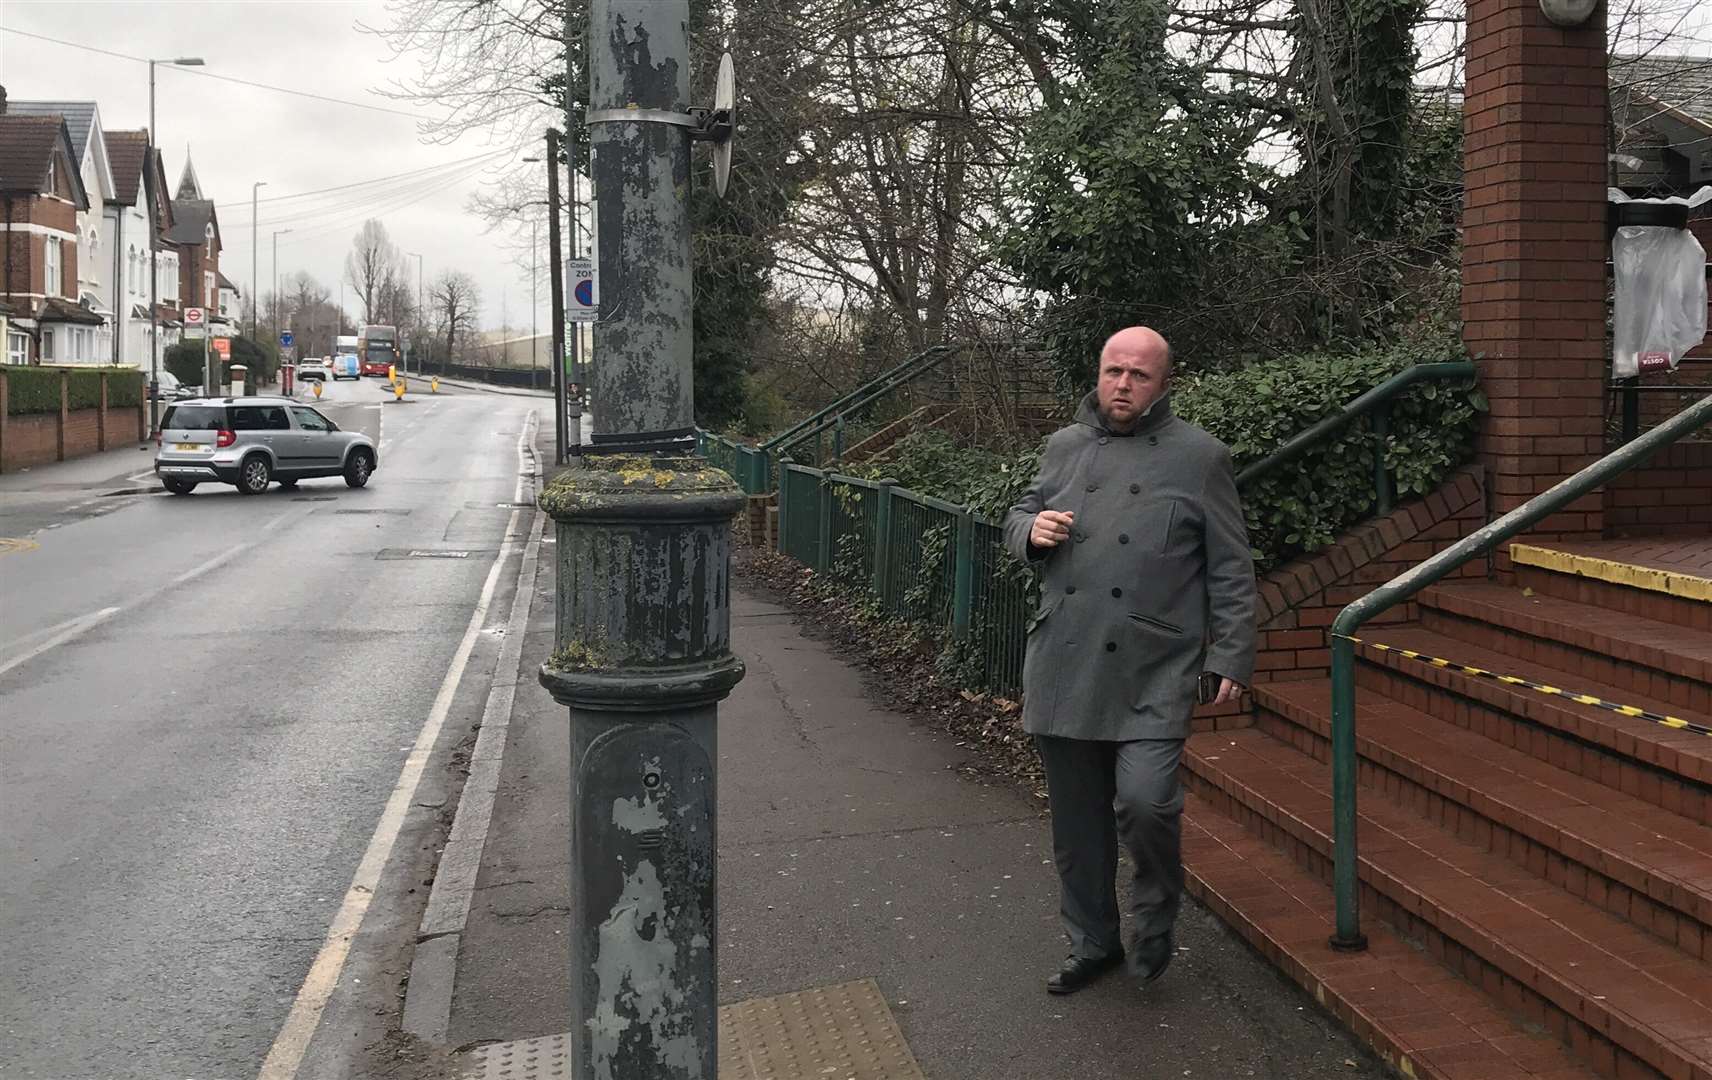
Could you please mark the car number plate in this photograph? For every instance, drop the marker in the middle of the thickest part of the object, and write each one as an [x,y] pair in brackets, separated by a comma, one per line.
[187,446]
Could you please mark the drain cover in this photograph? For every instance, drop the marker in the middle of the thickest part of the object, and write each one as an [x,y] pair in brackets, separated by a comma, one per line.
[843,1032]
[316,498]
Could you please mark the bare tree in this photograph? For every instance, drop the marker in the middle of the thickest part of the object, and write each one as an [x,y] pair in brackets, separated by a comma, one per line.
[456,303]
[372,260]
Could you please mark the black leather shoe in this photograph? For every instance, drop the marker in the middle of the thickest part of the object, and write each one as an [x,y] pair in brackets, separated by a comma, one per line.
[1079,971]
[1150,958]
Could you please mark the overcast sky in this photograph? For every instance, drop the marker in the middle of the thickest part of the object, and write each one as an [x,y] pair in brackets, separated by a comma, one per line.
[237,135]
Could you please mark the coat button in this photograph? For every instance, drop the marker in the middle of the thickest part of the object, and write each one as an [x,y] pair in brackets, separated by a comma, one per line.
[1093,487]
[1153,440]
[1081,537]
[1116,593]
[1104,440]
[1111,646]
[1123,538]
[1069,590]
[1135,489]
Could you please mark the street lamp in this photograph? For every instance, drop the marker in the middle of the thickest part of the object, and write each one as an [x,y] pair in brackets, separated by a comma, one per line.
[154,249]
[277,233]
[421,312]
[255,254]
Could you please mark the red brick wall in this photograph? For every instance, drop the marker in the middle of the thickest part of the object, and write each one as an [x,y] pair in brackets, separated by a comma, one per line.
[30,440]
[35,439]
[1299,601]
[1669,495]
[1534,244]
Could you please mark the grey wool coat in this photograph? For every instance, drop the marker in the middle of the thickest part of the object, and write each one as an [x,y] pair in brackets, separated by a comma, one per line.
[1154,586]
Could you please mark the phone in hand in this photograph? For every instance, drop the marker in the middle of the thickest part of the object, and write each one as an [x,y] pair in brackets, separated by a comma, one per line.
[1208,688]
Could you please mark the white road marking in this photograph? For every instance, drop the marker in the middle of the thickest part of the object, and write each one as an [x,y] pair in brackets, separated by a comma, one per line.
[294,1036]
[76,626]
[65,632]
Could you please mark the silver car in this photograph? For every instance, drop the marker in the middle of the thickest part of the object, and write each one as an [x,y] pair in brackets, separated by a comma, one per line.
[252,441]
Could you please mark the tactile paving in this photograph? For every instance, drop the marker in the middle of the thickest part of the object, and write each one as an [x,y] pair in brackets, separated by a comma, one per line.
[841,1032]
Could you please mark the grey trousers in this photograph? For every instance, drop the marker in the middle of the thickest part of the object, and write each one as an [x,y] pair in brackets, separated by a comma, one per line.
[1102,792]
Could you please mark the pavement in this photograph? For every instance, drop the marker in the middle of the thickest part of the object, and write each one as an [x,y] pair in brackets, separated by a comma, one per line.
[850,847]
[228,727]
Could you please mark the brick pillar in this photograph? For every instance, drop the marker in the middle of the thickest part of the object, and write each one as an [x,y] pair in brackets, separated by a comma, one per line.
[1534,247]
[5,414]
[101,417]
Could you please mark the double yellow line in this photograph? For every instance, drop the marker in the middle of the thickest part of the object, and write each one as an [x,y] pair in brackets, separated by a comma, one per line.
[1662,719]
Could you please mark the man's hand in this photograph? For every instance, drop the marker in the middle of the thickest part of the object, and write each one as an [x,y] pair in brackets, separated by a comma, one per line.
[1050,528]
[1228,691]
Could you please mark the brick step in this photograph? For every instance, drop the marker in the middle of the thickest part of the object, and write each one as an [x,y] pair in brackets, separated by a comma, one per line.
[1659,765]
[1635,860]
[1629,1004]
[1647,603]
[1645,656]
[1423,1020]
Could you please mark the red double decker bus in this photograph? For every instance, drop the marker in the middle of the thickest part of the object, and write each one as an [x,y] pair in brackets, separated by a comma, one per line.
[377,349]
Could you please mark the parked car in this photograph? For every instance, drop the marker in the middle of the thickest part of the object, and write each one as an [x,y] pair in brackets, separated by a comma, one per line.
[313,368]
[168,388]
[250,442]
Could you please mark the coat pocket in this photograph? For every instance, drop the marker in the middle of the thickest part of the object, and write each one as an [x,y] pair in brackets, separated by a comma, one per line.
[1149,622]
[1040,615]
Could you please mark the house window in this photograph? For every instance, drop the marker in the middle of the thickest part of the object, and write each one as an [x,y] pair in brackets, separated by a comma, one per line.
[208,289]
[209,233]
[17,347]
[51,268]
[48,354]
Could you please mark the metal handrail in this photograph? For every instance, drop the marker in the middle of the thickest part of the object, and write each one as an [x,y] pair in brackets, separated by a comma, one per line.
[1345,881]
[1379,398]
[863,395]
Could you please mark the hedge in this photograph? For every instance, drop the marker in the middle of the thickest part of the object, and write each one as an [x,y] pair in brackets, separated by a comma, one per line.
[1254,410]
[33,390]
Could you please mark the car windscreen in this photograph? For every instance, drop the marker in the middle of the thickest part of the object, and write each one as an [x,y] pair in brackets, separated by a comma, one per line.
[195,418]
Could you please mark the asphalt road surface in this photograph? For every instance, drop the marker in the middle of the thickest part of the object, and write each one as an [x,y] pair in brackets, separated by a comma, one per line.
[206,703]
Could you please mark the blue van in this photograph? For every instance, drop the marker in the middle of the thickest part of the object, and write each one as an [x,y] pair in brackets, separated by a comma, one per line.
[345,366]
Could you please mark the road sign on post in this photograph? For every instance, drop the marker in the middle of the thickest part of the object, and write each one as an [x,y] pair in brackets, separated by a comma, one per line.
[223,346]
[285,339]
[584,305]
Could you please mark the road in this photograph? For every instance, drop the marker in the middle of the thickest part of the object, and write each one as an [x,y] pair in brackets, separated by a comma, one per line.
[206,704]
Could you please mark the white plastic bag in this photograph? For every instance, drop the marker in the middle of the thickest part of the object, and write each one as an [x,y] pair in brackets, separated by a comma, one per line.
[1660,306]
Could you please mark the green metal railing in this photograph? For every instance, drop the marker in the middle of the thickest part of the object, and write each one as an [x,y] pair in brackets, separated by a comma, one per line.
[1345,857]
[751,468]
[1376,401]
[832,417]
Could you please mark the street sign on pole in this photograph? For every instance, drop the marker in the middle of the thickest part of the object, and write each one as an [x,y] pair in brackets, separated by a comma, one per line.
[583,305]
[194,316]
[223,346]
[285,339]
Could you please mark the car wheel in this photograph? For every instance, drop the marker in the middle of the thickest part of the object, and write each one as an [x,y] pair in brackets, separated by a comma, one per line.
[254,475]
[358,468]
[179,487]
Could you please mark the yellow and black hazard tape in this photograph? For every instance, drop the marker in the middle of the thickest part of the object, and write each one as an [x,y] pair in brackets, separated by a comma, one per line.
[1675,722]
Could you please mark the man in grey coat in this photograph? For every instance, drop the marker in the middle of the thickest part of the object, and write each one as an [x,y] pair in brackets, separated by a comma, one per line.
[1147,583]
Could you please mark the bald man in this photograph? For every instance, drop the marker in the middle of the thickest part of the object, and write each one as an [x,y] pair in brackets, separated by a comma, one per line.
[1147,593]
